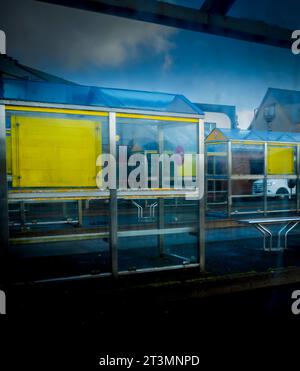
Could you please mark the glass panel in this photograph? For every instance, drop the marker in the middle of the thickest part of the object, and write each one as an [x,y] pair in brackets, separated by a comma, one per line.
[247,187]
[282,194]
[217,194]
[41,91]
[216,159]
[55,150]
[281,160]
[151,139]
[247,205]
[247,159]
[57,227]
[247,196]
[157,233]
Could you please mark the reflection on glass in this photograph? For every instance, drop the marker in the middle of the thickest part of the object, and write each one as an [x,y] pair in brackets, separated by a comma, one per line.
[217,196]
[156,233]
[153,138]
[247,205]
[281,194]
[58,234]
[247,159]
[216,157]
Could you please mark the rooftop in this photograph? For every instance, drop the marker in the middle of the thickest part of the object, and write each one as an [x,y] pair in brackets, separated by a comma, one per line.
[253,135]
[45,92]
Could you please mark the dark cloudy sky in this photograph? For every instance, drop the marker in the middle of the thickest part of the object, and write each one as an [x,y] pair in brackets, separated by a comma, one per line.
[96,49]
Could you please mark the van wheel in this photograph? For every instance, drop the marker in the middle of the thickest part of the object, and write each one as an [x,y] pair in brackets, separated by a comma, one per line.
[282,192]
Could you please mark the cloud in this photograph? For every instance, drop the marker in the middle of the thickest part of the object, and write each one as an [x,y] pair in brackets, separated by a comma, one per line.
[244,118]
[40,34]
[168,62]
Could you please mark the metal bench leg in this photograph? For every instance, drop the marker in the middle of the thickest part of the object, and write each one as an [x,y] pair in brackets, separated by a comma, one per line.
[264,235]
[280,232]
[23,215]
[267,231]
[80,213]
[287,232]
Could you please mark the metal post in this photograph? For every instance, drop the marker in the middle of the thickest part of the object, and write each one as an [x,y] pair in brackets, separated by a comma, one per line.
[23,215]
[229,175]
[80,213]
[205,178]
[113,205]
[201,169]
[64,210]
[265,185]
[161,222]
[214,173]
[161,202]
[3,186]
[297,181]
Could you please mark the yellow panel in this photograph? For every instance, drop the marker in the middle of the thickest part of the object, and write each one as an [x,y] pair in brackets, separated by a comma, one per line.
[214,154]
[262,142]
[160,118]
[56,110]
[54,152]
[97,113]
[215,135]
[280,160]
[251,142]
[8,154]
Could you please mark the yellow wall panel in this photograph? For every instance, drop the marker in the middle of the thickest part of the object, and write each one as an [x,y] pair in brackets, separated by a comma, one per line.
[54,152]
[8,154]
[280,160]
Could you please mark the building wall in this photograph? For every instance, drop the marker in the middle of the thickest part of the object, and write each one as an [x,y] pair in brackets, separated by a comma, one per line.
[280,122]
[221,120]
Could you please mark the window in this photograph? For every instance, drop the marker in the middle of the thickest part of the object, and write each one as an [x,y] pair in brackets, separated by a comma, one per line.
[269,112]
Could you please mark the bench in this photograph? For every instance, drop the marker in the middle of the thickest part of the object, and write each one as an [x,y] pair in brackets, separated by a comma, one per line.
[289,223]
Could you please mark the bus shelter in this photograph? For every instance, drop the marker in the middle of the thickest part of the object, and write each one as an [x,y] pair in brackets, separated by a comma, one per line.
[61,217]
[252,172]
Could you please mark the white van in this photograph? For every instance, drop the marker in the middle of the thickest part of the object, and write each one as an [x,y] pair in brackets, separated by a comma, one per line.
[275,187]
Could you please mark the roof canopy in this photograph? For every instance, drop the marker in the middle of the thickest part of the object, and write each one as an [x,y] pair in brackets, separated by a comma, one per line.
[252,135]
[44,92]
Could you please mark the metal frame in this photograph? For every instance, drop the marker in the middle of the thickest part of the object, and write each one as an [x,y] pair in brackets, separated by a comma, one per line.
[209,18]
[72,107]
[113,203]
[4,234]
[161,203]
[229,170]
[64,195]
[298,177]
[265,177]
[201,185]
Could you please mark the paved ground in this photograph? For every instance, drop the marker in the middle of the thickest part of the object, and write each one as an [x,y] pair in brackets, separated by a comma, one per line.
[224,254]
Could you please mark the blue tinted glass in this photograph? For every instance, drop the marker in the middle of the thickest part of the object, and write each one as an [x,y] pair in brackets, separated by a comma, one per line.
[93,96]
